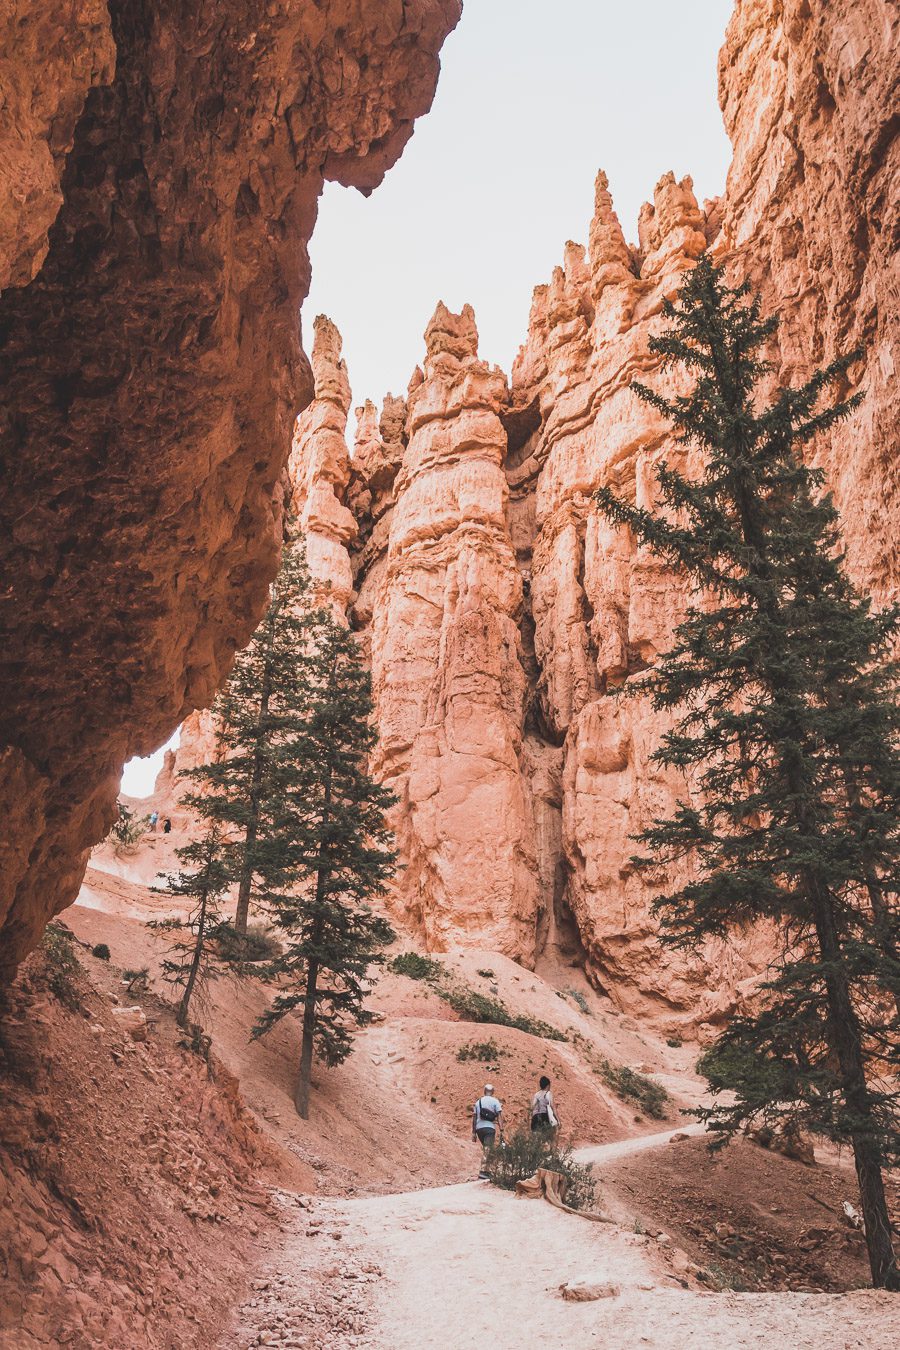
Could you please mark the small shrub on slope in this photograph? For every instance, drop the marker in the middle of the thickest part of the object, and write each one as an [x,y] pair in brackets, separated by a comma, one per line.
[579,1000]
[258,945]
[474,1007]
[416,967]
[649,1096]
[467,1003]
[62,967]
[483,1052]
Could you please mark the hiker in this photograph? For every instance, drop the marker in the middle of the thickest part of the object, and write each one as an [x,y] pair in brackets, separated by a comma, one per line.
[167,826]
[487,1122]
[154,817]
[543,1116]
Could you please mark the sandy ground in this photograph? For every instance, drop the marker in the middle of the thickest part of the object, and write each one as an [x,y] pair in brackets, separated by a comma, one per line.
[385,1240]
[462,1265]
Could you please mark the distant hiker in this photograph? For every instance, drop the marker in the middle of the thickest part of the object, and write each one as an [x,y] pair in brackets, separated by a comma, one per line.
[543,1116]
[487,1120]
[167,826]
[154,817]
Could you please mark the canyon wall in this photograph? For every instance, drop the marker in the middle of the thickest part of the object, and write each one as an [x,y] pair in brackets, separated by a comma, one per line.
[811,212]
[164,164]
[499,609]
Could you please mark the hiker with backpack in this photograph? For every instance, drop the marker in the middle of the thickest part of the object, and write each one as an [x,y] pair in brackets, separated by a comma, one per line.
[543,1115]
[487,1122]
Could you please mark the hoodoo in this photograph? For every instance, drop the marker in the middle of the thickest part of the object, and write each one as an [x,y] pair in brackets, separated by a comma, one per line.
[242,1073]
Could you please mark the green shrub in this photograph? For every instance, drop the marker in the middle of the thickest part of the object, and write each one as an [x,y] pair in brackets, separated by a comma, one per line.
[579,1000]
[258,945]
[62,966]
[475,1007]
[128,830]
[416,967]
[674,1042]
[486,974]
[635,1087]
[101,951]
[467,1003]
[519,1157]
[485,1052]
[136,980]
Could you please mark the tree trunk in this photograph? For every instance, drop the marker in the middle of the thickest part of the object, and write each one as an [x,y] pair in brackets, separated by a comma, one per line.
[181,1017]
[845,1036]
[242,912]
[301,1100]
[847,1043]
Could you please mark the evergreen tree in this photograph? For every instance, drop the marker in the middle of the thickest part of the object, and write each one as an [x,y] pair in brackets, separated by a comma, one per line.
[203,882]
[783,696]
[247,788]
[343,856]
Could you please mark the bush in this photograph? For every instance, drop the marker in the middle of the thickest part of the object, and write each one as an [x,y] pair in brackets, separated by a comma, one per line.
[474,1007]
[635,1087]
[62,967]
[579,1000]
[467,1003]
[128,830]
[485,1052]
[520,1156]
[259,944]
[101,951]
[674,1042]
[416,967]
[486,974]
[136,980]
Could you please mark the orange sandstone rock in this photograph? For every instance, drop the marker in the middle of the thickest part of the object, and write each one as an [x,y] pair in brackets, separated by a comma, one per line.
[152,367]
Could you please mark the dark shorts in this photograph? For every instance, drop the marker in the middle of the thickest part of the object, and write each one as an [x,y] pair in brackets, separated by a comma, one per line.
[486,1135]
[541,1121]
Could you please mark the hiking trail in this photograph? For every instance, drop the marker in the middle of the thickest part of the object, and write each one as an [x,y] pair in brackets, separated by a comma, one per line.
[444,1266]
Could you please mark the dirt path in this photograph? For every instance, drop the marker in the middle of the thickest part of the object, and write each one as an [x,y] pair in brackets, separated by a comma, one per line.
[443,1268]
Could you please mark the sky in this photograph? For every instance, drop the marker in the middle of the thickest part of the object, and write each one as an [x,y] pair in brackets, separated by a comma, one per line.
[532,100]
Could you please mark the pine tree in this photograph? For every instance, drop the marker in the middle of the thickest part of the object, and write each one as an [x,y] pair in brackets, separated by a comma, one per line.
[203,881]
[343,857]
[247,787]
[783,696]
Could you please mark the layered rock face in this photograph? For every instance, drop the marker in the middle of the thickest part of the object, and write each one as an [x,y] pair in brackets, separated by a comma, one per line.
[498,610]
[164,185]
[319,470]
[811,212]
[498,620]
[439,598]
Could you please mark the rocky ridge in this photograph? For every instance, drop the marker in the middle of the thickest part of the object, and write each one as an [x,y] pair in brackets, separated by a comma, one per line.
[166,174]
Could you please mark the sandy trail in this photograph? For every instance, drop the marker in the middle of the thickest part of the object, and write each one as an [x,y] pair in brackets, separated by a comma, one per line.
[446,1267]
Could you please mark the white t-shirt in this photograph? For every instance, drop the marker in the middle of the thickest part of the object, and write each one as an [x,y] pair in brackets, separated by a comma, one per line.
[492,1104]
[542,1103]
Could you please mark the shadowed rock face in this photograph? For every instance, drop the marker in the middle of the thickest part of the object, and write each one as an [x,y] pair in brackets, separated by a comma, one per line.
[152,367]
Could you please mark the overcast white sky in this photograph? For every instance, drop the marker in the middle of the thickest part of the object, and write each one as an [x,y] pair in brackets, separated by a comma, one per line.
[533,99]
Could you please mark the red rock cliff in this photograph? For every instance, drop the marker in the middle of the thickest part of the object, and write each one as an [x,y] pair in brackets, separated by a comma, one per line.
[498,614]
[166,162]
